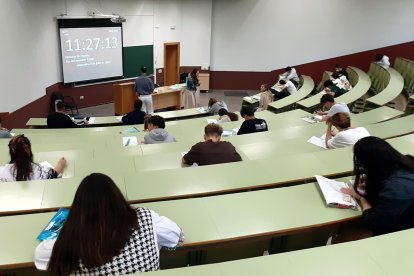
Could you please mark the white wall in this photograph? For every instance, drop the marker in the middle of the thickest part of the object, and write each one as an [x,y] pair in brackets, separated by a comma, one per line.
[30,51]
[262,35]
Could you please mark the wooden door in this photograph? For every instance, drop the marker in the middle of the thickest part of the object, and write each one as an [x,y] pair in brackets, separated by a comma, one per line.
[171,63]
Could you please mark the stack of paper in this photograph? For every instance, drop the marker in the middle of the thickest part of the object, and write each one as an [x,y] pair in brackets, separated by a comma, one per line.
[211,121]
[331,190]
[129,141]
[318,141]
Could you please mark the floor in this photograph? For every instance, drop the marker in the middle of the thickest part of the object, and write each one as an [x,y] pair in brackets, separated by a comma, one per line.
[233,99]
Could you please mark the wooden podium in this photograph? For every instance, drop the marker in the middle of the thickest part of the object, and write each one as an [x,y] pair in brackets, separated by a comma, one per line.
[124,97]
[163,97]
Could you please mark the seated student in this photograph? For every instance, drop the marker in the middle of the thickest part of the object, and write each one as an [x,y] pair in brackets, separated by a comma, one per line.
[251,124]
[346,135]
[334,90]
[104,235]
[59,119]
[21,166]
[266,97]
[384,180]
[214,106]
[341,71]
[212,150]
[226,116]
[157,134]
[382,60]
[290,74]
[328,102]
[135,117]
[341,81]
[4,132]
[283,89]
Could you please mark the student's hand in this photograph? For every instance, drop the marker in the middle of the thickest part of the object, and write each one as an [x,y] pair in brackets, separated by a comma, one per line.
[60,166]
[85,122]
[351,192]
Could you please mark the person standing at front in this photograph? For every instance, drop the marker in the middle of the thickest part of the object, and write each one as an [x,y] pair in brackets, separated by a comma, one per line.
[144,86]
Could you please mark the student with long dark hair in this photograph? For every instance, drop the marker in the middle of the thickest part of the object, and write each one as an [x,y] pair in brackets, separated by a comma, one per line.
[385,186]
[192,90]
[104,235]
[22,167]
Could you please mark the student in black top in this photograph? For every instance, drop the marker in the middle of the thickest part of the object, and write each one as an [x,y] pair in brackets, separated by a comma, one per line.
[341,71]
[385,189]
[251,123]
[61,120]
[135,117]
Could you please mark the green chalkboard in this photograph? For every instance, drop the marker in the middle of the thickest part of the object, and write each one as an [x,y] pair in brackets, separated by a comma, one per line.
[137,56]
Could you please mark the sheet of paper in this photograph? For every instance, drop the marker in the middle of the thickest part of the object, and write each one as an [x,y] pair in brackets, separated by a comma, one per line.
[46,164]
[236,129]
[256,97]
[129,141]
[184,153]
[211,121]
[227,133]
[91,120]
[119,118]
[201,110]
[317,141]
[248,99]
[331,190]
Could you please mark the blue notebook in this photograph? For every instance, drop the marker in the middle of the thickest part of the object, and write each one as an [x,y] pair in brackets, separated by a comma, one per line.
[52,229]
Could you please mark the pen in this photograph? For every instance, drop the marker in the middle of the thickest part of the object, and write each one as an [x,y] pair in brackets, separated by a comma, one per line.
[127,143]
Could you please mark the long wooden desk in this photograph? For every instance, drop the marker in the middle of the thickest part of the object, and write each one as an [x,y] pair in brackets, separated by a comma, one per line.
[306,88]
[204,220]
[360,87]
[391,91]
[384,255]
[150,183]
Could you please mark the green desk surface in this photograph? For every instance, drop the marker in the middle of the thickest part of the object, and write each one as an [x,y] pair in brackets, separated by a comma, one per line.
[389,254]
[305,90]
[205,221]
[181,114]
[352,95]
[391,91]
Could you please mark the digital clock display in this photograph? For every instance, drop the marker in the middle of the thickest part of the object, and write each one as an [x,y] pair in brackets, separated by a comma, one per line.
[91,53]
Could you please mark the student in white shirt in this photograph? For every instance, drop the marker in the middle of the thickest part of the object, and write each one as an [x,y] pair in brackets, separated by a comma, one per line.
[22,167]
[104,235]
[382,60]
[346,135]
[290,74]
[328,102]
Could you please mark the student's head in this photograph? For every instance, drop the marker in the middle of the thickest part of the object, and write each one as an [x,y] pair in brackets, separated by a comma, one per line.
[99,224]
[247,112]
[138,104]
[211,102]
[338,67]
[341,120]
[233,116]
[288,69]
[213,132]
[60,106]
[379,57]
[222,112]
[194,74]
[144,70]
[377,159]
[282,82]
[21,156]
[156,122]
[328,83]
[335,75]
[327,101]
[264,87]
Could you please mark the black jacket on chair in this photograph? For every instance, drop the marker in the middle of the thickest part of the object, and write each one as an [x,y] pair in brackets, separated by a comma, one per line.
[60,120]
